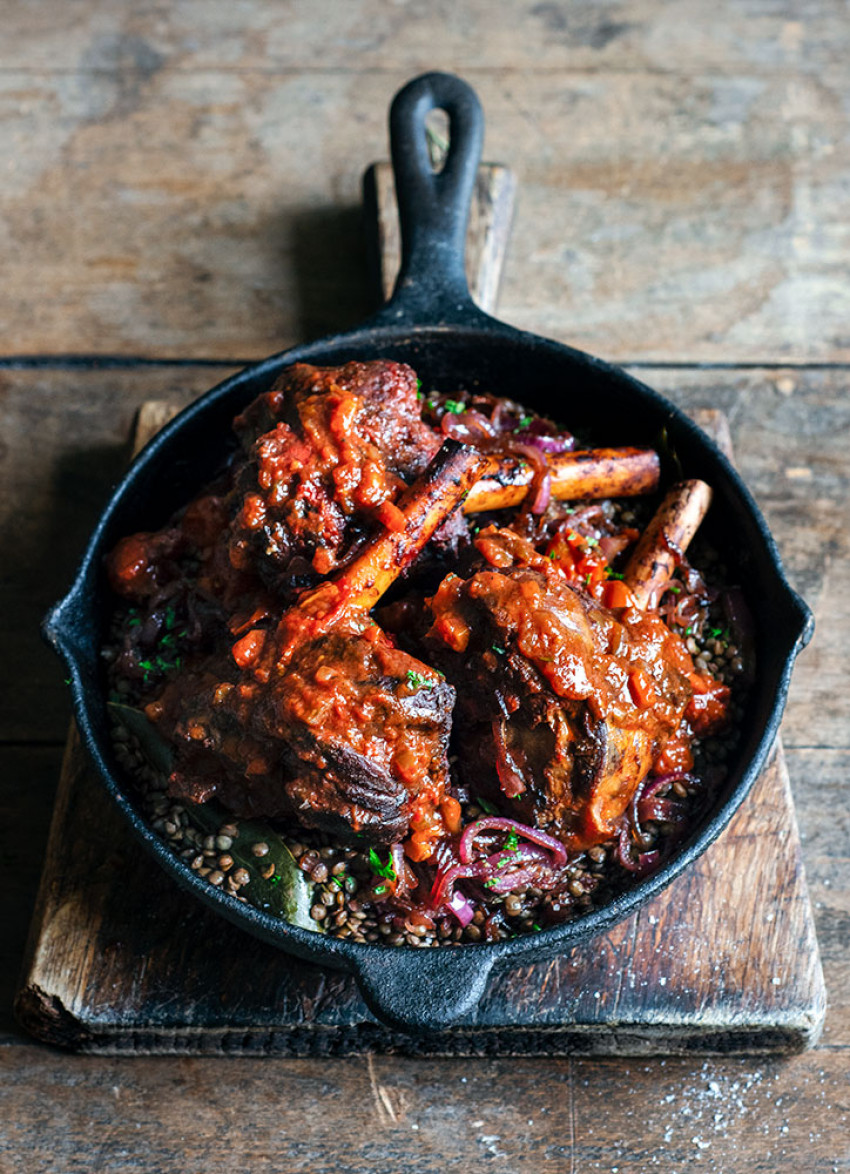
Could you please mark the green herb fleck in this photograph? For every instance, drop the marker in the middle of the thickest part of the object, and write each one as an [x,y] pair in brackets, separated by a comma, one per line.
[274,881]
[490,884]
[615,574]
[379,868]
[689,631]
[497,649]
[591,542]
[454,406]
[379,890]
[488,807]
[512,843]
[674,587]
[534,925]
[524,421]
[417,681]
[146,665]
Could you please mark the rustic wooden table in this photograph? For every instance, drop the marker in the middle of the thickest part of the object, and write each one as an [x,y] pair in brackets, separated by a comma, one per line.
[179,194]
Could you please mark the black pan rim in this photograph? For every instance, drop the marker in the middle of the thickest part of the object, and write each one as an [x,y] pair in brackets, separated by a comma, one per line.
[338,952]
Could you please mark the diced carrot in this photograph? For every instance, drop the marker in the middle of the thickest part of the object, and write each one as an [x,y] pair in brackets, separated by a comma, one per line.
[615,593]
[450,809]
[247,650]
[418,847]
[641,688]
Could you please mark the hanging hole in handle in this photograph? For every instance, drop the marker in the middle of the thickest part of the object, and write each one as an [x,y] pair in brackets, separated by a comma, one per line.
[438,137]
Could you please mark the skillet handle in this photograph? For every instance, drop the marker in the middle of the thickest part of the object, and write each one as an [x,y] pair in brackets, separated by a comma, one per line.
[416,999]
[433,207]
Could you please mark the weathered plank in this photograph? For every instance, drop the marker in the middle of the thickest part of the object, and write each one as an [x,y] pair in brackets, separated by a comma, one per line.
[72,1115]
[364,36]
[687,216]
[725,960]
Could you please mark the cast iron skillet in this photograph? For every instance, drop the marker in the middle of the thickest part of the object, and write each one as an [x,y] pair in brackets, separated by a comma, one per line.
[432,323]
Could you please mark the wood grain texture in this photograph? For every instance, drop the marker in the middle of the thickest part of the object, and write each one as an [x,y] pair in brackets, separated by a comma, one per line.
[725,960]
[195,193]
[366,36]
[72,1115]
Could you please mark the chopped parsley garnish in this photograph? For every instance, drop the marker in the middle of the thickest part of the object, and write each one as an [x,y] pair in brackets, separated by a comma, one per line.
[591,542]
[615,574]
[379,890]
[496,648]
[454,406]
[488,807]
[689,630]
[534,925]
[524,421]
[417,681]
[512,843]
[380,869]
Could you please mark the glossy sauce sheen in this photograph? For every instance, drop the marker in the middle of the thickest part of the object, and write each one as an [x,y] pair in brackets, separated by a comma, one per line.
[296,705]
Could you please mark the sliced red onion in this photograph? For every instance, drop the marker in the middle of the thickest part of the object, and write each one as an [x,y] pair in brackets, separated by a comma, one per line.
[468,427]
[663,810]
[551,445]
[610,545]
[543,495]
[640,864]
[653,786]
[498,823]
[504,871]
[461,907]
[445,881]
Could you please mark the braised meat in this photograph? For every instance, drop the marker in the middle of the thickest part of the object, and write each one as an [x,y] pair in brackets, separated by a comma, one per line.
[315,713]
[571,703]
[326,454]
[533,670]
[342,732]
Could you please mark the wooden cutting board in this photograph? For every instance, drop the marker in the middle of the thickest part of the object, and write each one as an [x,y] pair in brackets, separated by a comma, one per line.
[121,960]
